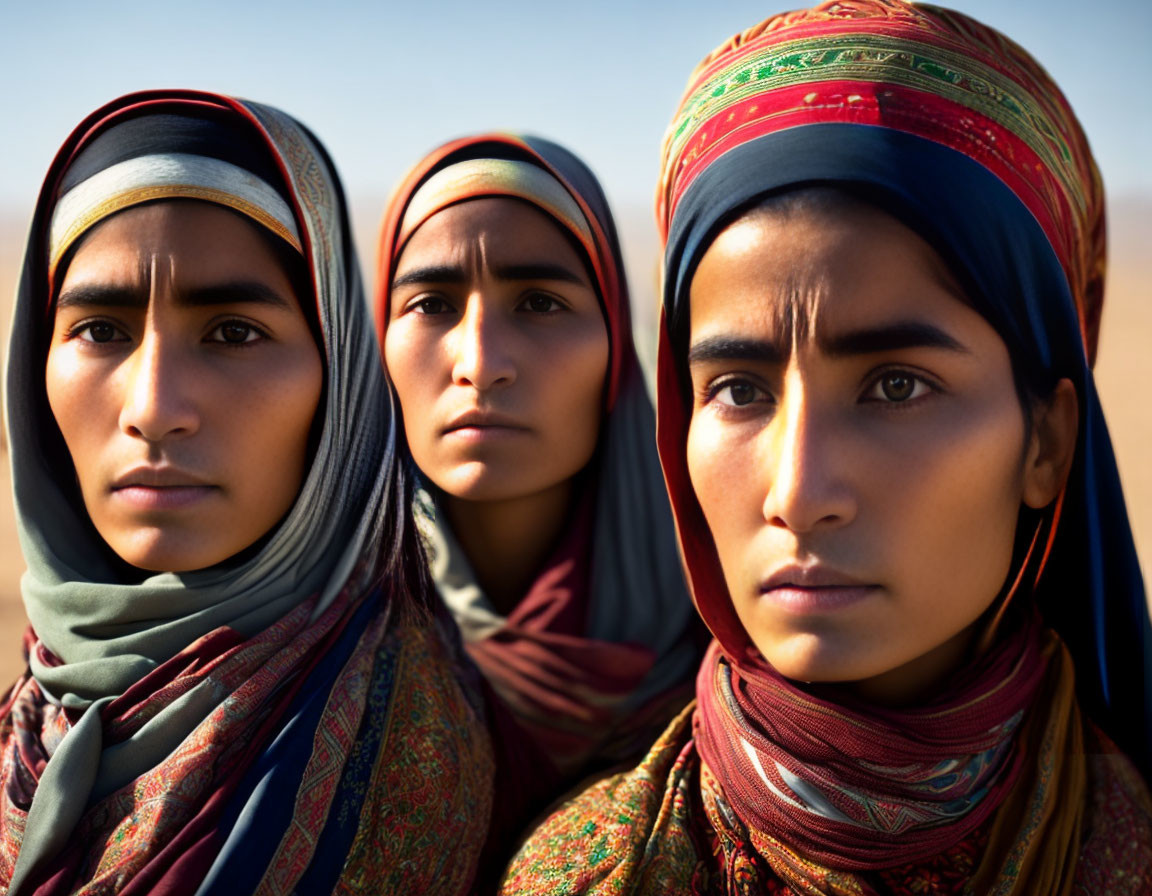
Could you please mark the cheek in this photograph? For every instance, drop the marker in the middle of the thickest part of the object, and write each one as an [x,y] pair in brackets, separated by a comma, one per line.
[954,519]
[569,380]
[400,353]
[721,466]
[77,397]
[268,431]
[411,360]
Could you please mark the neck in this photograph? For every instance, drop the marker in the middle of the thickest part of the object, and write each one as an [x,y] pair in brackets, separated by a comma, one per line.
[507,541]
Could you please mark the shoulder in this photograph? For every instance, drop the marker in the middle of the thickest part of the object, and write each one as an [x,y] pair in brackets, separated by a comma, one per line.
[425,771]
[628,833]
[1116,856]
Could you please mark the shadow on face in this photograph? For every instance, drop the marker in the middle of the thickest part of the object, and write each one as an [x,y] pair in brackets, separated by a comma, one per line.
[857,445]
[498,350]
[184,378]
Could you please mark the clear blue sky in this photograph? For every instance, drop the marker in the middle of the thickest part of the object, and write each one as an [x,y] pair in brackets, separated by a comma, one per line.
[383,82]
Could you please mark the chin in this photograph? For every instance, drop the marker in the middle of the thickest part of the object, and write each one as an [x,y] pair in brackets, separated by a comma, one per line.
[478,481]
[817,658]
[159,552]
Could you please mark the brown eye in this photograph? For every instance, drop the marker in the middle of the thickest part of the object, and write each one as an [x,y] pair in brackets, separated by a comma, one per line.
[741,394]
[101,332]
[541,303]
[737,393]
[235,333]
[431,306]
[898,386]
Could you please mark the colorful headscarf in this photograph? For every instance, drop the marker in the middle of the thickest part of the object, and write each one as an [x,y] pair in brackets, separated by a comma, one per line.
[173,722]
[599,653]
[955,130]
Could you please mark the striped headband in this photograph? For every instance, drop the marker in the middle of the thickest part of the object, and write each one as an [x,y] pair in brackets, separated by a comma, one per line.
[478,178]
[924,71]
[167,176]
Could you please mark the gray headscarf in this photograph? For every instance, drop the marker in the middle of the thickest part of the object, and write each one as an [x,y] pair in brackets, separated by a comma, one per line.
[108,633]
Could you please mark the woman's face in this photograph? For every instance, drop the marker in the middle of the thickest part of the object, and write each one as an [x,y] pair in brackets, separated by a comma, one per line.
[857,445]
[498,351]
[184,379]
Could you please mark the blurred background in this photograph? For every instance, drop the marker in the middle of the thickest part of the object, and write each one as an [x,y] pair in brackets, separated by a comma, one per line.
[382,83]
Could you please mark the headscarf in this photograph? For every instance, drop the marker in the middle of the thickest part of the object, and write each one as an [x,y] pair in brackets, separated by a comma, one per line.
[143,679]
[957,132]
[598,645]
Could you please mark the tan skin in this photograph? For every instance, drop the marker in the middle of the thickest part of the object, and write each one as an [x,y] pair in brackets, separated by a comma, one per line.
[858,447]
[184,379]
[498,350]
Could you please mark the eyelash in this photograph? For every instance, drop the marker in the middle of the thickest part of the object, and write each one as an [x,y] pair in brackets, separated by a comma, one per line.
[261,335]
[77,331]
[922,387]
[714,389]
[918,380]
[85,326]
[537,294]
[419,305]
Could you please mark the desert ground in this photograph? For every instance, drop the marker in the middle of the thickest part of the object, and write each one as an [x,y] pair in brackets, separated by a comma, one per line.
[1124,368]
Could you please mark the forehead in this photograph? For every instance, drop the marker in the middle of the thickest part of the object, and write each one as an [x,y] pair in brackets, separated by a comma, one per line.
[506,229]
[194,240]
[810,273]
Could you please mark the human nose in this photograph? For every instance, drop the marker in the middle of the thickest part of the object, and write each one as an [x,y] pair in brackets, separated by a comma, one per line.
[158,404]
[808,488]
[481,349]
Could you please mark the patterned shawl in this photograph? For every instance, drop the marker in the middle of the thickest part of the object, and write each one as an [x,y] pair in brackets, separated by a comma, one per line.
[598,654]
[956,131]
[286,707]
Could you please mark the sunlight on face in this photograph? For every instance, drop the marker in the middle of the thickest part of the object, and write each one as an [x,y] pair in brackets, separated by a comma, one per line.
[184,379]
[498,350]
[857,445]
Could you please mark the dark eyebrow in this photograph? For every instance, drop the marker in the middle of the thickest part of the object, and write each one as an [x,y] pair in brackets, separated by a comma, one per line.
[235,292]
[902,335]
[540,270]
[432,274]
[724,348]
[891,337]
[101,296]
[231,293]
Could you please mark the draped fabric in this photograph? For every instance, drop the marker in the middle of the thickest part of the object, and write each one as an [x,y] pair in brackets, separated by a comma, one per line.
[599,652]
[790,761]
[160,710]
[667,827]
[955,130]
[769,786]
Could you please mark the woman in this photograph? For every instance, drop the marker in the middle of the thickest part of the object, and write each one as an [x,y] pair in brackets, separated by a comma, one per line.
[236,681]
[895,493]
[504,322]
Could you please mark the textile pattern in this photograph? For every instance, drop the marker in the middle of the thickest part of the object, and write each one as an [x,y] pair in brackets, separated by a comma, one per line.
[920,69]
[428,783]
[667,827]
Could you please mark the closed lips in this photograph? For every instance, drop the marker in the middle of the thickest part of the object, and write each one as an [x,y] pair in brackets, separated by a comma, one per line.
[483,420]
